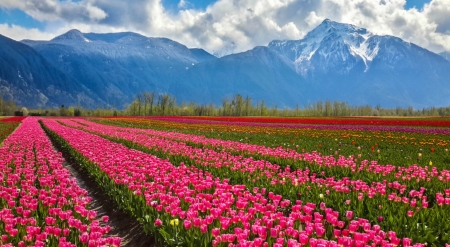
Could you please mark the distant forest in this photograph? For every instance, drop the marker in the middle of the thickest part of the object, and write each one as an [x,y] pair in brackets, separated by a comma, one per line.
[153,104]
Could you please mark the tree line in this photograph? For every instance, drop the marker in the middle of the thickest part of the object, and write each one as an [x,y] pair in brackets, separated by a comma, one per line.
[151,104]
[162,104]
[7,107]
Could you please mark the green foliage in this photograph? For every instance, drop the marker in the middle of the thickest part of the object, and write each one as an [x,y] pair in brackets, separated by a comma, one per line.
[77,112]
[7,107]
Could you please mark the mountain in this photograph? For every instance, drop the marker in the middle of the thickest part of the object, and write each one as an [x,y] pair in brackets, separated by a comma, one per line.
[446,55]
[29,79]
[260,74]
[349,63]
[334,61]
[117,66]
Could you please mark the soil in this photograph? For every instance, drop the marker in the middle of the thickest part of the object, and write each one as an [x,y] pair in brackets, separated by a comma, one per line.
[122,225]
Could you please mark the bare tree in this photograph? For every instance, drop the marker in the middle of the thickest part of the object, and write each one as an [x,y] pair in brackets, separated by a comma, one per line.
[163,101]
[139,101]
[248,105]
[238,104]
[149,99]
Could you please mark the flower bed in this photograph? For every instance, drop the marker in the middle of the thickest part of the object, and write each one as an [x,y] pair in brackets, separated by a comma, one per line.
[192,206]
[42,205]
[365,197]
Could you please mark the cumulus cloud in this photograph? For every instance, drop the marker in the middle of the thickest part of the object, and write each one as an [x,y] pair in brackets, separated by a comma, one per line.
[19,33]
[54,10]
[438,11]
[238,25]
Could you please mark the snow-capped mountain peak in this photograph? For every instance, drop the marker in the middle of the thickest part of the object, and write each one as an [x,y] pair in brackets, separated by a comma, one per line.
[331,42]
[328,27]
[72,35]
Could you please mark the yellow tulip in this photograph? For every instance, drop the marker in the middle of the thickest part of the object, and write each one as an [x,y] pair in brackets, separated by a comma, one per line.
[174,222]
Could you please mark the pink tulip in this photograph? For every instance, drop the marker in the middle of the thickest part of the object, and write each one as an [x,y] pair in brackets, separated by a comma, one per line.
[105,218]
[84,237]
[215,232]
[158,222]
[406,242]
[349,215]
[187,224]
[303,238]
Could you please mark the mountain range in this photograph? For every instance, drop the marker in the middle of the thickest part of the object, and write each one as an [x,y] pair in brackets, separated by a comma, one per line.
[334,61]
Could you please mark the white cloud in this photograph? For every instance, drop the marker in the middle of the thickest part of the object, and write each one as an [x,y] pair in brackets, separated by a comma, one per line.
[184,4]
[19,33]
[239,25]
[55,10]
[438,11]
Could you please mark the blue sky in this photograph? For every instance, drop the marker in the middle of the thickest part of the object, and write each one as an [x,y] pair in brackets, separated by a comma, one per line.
[18,17]
[225,25]
[199,4]
[415,3]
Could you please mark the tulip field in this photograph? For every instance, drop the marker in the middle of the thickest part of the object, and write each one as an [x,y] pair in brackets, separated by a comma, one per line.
[193,181]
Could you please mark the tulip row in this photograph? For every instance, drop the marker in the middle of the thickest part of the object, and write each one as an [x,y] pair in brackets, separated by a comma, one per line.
[204,156]
[286,156]
[163,141]
[42,205]
[185,205]
[172,122]
[386,146]
[437,121]
[289,183]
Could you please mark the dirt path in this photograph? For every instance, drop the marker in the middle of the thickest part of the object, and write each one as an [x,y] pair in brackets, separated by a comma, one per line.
[121,224]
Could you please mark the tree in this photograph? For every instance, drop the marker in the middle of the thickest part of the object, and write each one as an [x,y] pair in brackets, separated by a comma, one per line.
[139,101]
[7,107]
[237,104]
[163,102]
[248,105]
[77,112]
[226,105]
[263,108]
[132,108]
[149,99]
[171,104]
[63,111]
[24,111]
